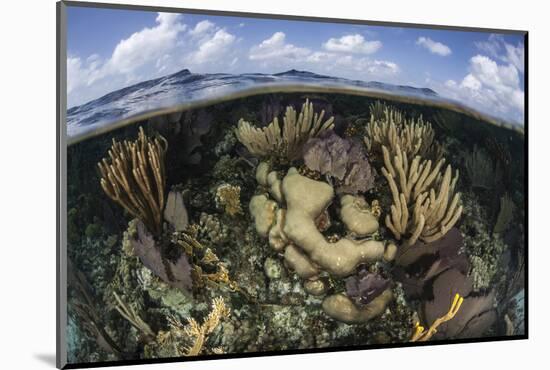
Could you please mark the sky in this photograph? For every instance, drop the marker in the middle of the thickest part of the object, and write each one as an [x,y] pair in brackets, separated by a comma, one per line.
[108,49]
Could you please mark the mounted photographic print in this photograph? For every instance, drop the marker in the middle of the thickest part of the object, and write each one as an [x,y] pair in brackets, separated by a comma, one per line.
[236,184]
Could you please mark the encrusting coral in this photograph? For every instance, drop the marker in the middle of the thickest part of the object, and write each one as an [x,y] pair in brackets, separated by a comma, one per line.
[286,143]
[134,177]
[413,191]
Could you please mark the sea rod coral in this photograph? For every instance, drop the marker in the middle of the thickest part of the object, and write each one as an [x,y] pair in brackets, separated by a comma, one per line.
[134,177]
[286,143]
[413,186]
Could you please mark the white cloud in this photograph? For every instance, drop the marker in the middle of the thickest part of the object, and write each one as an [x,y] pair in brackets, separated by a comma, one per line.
[275,52]
[352,44]
[149,53]
[201,28]
[275,48]
[146,46]
[490,87]
[434,47]
[497,48]
[214,48]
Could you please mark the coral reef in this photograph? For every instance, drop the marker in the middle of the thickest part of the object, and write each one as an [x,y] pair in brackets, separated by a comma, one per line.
[286,143]
[269,238]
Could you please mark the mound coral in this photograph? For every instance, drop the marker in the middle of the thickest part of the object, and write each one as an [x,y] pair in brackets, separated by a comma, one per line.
[134,177]
[286,143]
[292,228]
[342,159]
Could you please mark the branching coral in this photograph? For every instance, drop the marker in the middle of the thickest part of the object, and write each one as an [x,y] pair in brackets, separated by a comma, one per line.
[285,143]
[198,334]
[421,335]
[134,177]
[433,214]
[414,137]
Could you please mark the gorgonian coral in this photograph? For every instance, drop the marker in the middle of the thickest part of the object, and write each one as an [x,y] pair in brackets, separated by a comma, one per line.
[344,160]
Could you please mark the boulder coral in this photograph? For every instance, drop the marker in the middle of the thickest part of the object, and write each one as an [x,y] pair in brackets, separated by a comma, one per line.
[291,225]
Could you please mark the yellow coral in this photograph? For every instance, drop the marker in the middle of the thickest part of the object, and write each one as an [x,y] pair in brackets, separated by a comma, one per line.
[421,335]
[200,333]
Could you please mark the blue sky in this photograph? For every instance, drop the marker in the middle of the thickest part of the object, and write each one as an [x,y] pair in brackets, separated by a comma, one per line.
[109,49]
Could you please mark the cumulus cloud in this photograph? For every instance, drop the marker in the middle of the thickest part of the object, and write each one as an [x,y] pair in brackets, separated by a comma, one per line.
[276,52]
[153,51]
[276,48]
[202,28]
[496,47]
[146,46]
[352,44]
[213,48]
[491,87]
[434,47]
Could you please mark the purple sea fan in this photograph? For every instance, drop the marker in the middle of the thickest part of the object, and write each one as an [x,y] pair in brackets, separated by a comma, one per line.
[363,287]
[343,159]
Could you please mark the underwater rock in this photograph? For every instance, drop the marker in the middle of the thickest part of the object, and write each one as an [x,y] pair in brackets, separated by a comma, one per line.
[176,274]
[226,144]
[175,212]
[342,159]
[316,287]
[273,268]
[193,127]
[341,308]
